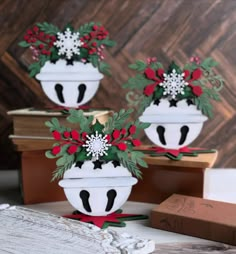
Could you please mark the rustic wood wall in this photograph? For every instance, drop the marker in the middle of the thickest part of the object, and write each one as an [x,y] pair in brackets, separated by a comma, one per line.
[168,29]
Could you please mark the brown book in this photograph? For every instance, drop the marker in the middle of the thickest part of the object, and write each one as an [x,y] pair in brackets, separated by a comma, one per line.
[208,219]
[31,122]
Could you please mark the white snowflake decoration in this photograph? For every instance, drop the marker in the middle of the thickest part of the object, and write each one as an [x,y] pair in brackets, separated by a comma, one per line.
[96,145]
[173,84]
[68,43]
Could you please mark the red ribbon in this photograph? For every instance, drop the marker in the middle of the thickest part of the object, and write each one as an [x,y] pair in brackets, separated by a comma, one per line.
[174,152]
[60,108]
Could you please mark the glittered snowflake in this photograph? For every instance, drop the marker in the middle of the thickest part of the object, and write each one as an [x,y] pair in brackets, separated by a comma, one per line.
[68,43]
[96,145]
[173,84]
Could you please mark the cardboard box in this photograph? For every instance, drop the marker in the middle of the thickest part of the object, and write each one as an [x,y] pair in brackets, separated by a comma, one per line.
[208,219]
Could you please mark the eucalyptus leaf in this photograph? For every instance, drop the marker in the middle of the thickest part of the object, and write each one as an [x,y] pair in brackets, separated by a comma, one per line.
[49,155]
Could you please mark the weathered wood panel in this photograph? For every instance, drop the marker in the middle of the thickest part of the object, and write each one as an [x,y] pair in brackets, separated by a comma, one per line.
[170,29]
[25,231]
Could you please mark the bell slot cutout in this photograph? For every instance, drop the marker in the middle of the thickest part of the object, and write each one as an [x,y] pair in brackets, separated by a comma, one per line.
[82,89]
[184,132]
[111,195]
[161,134]
[59,91]
[84,195]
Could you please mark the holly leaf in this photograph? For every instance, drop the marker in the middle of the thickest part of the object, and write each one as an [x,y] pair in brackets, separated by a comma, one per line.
[158,92]
[69,26]
[24,44]
[187,94]
[111,154]
[174,66]
[54,55]
[138,66]
[82,155]
[98,127]
[83,53]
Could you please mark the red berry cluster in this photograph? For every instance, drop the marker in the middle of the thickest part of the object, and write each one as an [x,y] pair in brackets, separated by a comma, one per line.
[74,139]
[119,138]
[195,59]
[71,138]
[41,43]
[90,40]
[157,77]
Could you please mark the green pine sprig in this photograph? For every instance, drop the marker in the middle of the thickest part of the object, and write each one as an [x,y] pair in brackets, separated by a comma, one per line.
[64,163]
[117,121]
[48,28]
[86,28]
[137,82]
[138,66]
[203,104]
[128,163]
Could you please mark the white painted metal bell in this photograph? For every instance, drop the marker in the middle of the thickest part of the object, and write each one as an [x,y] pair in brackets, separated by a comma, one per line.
[97,192]
[173,127]
[69,85]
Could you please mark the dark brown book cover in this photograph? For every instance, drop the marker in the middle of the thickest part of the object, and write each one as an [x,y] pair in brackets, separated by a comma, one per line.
[208,219]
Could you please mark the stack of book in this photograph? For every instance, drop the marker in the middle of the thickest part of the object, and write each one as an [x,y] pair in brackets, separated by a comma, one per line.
[30,131]
[32,138]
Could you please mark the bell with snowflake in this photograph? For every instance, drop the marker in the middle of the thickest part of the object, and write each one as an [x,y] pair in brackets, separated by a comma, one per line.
[175,102]
[68,63]
[98,161]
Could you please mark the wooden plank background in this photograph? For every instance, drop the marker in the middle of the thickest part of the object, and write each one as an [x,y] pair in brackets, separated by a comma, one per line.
[167,29]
